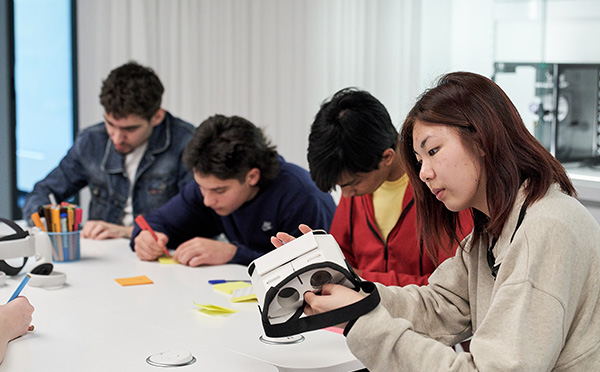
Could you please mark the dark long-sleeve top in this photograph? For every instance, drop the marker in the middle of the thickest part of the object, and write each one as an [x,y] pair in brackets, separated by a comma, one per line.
[291,199]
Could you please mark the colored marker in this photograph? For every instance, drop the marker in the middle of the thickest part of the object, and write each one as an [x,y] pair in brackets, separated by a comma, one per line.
[78,217]
[35,216]
[19,288]
[71,219]
[143,224]
[220,281]
[52,199]
[55,215]
[48,218]
[63,222]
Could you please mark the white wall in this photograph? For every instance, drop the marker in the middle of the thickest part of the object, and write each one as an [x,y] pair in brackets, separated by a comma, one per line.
[275,61]
[556,31]
[456,36]
[270,61]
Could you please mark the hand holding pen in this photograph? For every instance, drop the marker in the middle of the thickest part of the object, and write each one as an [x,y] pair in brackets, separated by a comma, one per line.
[15,319]
[143,247]
[15,316]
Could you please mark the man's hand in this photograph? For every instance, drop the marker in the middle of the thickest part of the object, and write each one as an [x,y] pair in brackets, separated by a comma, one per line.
[203,251]
[147,248]
[281,238]
[99,230]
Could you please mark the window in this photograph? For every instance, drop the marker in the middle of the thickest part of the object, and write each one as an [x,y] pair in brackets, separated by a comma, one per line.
[44,87]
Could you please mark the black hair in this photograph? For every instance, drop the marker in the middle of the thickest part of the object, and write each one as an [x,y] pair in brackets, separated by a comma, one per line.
[349,135]
[228,148]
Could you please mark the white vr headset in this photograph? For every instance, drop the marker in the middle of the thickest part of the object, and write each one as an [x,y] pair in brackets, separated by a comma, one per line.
[281,278]
[25,244]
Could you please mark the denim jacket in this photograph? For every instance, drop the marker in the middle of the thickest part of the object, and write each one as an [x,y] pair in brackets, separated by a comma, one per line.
[93,161]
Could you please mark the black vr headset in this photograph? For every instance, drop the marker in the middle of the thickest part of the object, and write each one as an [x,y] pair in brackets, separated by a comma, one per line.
[281,277]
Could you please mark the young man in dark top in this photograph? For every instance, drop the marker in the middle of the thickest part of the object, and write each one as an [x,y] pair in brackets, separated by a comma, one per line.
[242,189]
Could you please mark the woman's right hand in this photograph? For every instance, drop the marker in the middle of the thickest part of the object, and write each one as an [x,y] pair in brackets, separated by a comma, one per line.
[281,238]
[15,317]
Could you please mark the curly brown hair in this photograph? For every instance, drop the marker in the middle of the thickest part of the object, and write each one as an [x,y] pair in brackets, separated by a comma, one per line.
[131,89]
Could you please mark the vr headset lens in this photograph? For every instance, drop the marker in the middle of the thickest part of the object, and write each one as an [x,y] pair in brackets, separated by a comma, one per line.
[290,297]
[320,278]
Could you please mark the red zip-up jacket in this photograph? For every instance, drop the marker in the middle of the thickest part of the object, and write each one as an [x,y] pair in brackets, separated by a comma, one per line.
[400,261]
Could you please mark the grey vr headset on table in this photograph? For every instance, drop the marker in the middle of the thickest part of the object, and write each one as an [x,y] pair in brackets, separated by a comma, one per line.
[281,277]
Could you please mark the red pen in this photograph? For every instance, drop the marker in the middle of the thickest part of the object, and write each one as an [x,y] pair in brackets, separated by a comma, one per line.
[141,221]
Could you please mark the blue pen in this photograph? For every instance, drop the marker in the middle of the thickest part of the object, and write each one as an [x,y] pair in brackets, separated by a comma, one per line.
[220,281]
[19,288]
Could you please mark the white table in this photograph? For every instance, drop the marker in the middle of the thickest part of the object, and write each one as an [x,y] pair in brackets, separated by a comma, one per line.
[95,324]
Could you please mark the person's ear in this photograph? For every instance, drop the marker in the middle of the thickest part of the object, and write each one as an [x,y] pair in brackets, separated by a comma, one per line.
[388,157]
[253,176]
[480,151]
[158,117]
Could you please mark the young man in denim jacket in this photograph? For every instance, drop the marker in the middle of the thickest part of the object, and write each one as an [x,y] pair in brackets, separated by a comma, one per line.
[131,162]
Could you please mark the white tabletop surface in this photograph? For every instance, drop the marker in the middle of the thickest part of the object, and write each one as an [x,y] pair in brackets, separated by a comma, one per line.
[95,324]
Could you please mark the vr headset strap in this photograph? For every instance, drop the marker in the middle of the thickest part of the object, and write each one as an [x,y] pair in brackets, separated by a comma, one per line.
[313,322]
[19,234]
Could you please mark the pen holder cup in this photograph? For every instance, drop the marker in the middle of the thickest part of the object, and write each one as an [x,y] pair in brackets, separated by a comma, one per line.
[65,246]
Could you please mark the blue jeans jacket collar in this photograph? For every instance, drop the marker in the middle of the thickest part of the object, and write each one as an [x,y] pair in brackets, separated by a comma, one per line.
[159,141]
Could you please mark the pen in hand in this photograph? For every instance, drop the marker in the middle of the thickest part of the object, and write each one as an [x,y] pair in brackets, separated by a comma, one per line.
[19,288]
[141,221]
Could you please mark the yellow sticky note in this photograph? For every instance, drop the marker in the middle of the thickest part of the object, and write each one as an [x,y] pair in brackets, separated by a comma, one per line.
[247,298]
[136,280]
[214,309]
[166,260]
[244,295]
[229,287]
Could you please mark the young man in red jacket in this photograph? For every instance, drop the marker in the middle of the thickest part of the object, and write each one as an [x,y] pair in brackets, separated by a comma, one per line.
[352,144]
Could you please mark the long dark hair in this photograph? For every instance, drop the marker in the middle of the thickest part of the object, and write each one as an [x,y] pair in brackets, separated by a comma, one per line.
[485,119]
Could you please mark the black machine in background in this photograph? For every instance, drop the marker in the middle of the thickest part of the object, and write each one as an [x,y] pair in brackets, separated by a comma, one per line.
[559,103]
